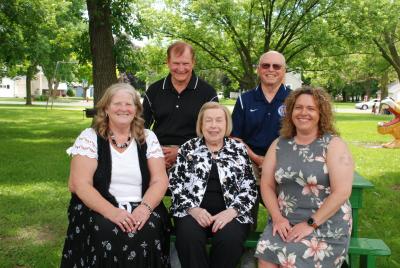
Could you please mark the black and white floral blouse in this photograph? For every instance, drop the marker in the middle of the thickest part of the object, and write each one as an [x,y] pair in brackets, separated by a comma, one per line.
[188,178]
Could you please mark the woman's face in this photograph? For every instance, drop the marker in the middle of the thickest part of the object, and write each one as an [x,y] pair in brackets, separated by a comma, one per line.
[214,125]
[305,115]
[121,110]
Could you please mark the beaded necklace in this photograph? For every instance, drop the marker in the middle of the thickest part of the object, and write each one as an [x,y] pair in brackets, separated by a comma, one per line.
[120,145]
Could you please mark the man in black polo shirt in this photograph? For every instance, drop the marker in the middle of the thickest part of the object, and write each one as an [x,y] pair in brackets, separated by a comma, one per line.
[172,104]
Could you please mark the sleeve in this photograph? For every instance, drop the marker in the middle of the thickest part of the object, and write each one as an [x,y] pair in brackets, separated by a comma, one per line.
[245,200]
[153,146]
[147,110]
[181,197]
[85,144]
[238,118]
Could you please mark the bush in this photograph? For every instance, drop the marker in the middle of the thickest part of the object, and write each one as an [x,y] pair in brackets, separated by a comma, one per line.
[70,93]
[40,98]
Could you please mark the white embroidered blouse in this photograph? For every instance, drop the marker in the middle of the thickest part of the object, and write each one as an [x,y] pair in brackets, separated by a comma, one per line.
[126,178]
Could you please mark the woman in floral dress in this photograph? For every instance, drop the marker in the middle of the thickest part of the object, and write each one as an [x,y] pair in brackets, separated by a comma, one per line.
[306,183]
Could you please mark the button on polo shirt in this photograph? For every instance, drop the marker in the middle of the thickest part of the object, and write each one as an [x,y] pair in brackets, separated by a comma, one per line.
[173,115]
[256,121]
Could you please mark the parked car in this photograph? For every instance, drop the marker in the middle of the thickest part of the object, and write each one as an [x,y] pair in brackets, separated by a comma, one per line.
[368,104]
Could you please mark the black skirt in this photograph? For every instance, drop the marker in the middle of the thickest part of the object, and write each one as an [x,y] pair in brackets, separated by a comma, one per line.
[94,241]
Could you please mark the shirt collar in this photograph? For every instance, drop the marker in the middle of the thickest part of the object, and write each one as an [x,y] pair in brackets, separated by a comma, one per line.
[193,83]
[280,95]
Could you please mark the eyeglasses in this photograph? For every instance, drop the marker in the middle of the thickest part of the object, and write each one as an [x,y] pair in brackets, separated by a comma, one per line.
[267,66]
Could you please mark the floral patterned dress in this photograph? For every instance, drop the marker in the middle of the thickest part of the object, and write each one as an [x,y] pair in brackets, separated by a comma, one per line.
[302,186]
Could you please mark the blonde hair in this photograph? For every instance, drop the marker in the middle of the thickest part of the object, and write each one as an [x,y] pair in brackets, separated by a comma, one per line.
[101,124]
[213,105]
[322,100]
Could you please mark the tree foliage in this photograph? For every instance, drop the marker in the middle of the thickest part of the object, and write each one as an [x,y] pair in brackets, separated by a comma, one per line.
[235,33]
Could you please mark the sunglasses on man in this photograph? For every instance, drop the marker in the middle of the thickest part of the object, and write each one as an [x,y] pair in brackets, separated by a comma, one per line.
[267,66]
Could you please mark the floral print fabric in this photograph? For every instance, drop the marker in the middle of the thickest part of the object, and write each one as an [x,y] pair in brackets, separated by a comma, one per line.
[188,178]
[302,186]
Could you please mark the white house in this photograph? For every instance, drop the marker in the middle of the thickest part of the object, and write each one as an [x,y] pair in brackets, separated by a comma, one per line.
[16,87]
[293,80]
[7,87]
[394,90]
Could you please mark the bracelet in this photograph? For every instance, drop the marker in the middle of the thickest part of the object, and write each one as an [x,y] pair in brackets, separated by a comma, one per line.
[147,206]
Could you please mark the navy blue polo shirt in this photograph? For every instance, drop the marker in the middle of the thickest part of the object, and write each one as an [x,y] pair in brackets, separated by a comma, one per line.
[173,115]
[256,121]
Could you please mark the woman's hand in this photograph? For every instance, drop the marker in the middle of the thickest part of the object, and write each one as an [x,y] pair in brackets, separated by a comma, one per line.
[282,226]
[140,216]
[201,216]
[222,218]
[123,219]
[299,231]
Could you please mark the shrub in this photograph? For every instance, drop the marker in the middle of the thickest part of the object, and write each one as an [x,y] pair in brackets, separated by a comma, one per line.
[70,93]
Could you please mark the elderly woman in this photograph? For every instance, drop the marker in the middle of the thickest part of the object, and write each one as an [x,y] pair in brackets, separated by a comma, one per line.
[117,180]
[306,183]
[213,191]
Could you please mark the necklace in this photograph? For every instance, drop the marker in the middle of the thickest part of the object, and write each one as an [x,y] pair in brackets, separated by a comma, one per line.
[121,145]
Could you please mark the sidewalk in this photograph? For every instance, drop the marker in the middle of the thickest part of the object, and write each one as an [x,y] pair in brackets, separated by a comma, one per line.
[84,104]
[78,104]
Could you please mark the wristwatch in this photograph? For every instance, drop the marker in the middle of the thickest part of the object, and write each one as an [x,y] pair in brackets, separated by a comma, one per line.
[311,222]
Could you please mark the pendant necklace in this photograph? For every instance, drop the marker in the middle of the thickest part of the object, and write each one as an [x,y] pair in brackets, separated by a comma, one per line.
[120,145]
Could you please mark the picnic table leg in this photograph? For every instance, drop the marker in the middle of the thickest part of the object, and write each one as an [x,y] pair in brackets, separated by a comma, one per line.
[368,261]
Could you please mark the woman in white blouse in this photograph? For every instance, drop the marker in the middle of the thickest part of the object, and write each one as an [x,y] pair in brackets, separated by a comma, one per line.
[117,180]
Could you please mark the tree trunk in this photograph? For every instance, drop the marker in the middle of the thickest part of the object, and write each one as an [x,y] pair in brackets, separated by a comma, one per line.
[29,75]
[101,46]
[384,85]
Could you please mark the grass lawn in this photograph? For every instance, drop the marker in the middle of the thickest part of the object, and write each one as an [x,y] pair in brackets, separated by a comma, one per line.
[34,171]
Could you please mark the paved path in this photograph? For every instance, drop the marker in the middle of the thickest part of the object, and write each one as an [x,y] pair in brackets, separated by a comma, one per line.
[79,105]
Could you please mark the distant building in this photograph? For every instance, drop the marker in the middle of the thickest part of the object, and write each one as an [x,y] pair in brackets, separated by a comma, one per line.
[16,87]
[293,80]
[7,87]
[394,90]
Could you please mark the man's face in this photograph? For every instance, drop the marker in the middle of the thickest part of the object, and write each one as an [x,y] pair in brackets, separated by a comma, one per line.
[271,70]
[181,66]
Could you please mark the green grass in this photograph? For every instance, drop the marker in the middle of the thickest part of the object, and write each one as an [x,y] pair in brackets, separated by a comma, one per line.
[34,172]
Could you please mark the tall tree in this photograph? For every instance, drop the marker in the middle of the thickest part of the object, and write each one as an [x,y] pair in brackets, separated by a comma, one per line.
[235,33]
[106,19]
[377,22]
[101,45]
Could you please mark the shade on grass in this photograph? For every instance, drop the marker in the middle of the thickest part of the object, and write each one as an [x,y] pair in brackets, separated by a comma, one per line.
[34,172]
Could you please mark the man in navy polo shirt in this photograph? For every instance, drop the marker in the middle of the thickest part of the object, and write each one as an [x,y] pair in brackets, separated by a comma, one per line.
[171,105]
[257,117]
[257,113]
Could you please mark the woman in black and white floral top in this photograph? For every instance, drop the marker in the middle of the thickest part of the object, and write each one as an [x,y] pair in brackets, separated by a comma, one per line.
[213,192]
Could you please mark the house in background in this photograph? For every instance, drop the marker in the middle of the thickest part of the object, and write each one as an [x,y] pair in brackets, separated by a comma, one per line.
[7,87]
[394,90]
[293,80]
[39,86]
[78,88]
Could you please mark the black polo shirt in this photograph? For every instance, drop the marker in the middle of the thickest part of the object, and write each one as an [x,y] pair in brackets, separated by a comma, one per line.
[174,115]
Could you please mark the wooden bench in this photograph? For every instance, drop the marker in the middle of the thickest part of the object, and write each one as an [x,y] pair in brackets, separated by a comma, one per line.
[361,250]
